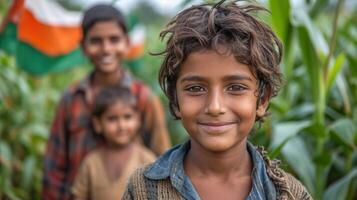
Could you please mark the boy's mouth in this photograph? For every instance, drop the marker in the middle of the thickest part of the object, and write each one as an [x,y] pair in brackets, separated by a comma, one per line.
[107,59]
[216,127]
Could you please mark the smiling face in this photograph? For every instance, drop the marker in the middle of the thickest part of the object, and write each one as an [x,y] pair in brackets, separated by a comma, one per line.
[105,45]
[119,124]
[217,100]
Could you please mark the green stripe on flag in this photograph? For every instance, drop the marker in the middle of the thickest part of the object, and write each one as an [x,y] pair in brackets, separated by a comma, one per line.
[8,38]
[37,63]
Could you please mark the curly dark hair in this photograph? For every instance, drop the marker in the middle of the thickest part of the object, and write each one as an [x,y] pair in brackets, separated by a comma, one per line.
[227,24]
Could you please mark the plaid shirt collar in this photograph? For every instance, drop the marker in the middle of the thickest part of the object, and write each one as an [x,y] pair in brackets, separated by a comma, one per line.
[85,84]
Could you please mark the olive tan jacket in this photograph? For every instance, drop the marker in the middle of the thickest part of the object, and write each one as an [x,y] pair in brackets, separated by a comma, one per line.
[143,188]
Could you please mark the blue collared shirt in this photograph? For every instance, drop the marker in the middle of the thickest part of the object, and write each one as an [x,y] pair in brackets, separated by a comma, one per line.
[170,165]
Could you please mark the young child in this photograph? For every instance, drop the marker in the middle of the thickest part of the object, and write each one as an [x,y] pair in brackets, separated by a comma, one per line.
[219,73]
[105,42]
[105,170]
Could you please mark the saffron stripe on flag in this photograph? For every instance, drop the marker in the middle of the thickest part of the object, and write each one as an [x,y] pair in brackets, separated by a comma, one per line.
[51,40]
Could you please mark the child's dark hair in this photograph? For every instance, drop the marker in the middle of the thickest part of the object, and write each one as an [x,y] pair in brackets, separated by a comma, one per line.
[213,26]
[101,12]
[111,95]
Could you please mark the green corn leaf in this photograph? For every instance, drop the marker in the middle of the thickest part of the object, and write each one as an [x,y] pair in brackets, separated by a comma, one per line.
[301,111]
[344,129]
[285,130]
[277,150]
[300,159]
[309,57]
[343,88]
[312,63]
[280,13]
[334,70]
[302,19]
[339,189]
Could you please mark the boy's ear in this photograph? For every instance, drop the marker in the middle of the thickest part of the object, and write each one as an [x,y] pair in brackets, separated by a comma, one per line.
[83,48]
[176,107]
[263,103]
[177,112]
[96,125]
[262,107]
[128,45]
[128,41]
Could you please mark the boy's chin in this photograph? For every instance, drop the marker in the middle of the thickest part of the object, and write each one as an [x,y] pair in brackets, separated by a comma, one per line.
[218,146]
[120,144]
[107,69]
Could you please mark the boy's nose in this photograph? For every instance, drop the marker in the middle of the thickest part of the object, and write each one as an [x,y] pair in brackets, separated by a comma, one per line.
[121,124]
[215,104]
[106,46]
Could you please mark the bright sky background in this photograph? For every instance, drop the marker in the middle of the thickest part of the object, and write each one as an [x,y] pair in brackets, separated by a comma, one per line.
[162,6]
[171,7]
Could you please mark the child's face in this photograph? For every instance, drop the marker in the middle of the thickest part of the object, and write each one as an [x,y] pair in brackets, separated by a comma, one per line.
[105,45]
[119,124]
[217,100]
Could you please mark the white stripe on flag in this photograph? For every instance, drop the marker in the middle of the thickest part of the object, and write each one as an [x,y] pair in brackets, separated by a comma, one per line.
[51,13]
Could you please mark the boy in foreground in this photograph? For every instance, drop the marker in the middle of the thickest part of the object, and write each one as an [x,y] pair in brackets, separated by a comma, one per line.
[220,70]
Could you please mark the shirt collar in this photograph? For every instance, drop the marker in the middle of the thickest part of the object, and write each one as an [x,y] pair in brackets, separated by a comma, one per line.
[170,165]
[263,187]
[85,85]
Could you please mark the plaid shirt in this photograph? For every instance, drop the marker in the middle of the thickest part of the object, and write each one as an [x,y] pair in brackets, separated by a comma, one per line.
[72,137]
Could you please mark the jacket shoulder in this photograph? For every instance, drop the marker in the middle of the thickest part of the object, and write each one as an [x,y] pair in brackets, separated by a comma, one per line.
[288,187]
[141,187]
[294,186]
[136,187]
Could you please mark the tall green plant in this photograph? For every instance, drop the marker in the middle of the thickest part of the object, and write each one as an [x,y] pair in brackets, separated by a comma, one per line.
[309,145]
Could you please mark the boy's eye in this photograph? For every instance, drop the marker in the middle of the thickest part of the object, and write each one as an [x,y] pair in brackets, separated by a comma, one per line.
[114,39]
[128,116]
[236,88]
[112,118]
[95,40]
[195,89]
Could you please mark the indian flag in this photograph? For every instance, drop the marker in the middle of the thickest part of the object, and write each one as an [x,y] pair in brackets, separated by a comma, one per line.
[45,37]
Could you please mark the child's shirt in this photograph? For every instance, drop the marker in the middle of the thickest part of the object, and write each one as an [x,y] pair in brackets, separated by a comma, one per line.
[166,179]
[92,181]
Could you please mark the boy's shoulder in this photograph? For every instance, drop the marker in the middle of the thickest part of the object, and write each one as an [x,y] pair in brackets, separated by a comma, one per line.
[78,86]
[153,180]
[140,87]
[288,187]
[94,157]
[141,187]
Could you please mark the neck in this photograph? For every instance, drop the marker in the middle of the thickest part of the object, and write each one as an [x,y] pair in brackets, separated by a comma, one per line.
[118,148]
[236,161]
[101,79]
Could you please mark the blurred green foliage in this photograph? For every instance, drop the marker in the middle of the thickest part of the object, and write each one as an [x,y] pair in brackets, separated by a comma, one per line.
[26,109]
[312,128]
